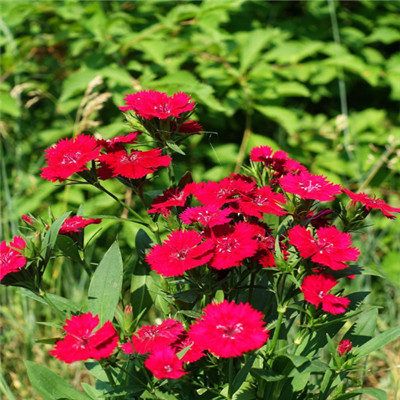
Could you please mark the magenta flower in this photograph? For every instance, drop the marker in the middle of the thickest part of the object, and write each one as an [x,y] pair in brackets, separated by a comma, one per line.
[164,364]
[181,251]
[372,203]
[81,341]
[208,216]
[315,289]
[115,143]
[229,329]
[307,186]
[69,156]
[233,245]
[11,259]
[76,224]
[331,248]
[150,338]
[172,197]
[135,164]
[344,346]
[150,104]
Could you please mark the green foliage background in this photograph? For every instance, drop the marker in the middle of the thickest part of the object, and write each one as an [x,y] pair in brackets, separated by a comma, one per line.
[318,79]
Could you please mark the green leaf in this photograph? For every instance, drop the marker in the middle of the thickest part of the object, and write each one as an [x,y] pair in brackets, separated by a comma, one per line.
[242,374]
[252,47]
[378,341]
[269,376]
[105,286]
[292,89]
[284,117]
[50,238]
[69,248]
[9,105]
[377,393]
[173,146]
[50,385]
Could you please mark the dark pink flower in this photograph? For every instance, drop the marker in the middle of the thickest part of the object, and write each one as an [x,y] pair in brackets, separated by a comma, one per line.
[76,224]
[69,156]
[191,128]
[229,329]
[150,338]
[344,346]
[150,104]
[181,251]
[372,203]
[307,186]
[136,164]
[11,259]
[172,197]
[331,248]
[259,201]
[29,220]
[224,192]
[208,216]
[233,245]
[164,364]
[192,354]
[315,289]
[82,342]
[115,143]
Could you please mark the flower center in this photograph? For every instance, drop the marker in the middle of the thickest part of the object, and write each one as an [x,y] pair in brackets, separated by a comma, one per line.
[310,186]
[181,255]
[71,158]
[230,331]
[321,294]
[164,108]
[168,368]
[226,245]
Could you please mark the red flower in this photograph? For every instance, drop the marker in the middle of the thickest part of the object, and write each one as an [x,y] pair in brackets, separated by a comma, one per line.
[344,346]
[259,201]
[150,338]
[164,364]
[266,155]
[371,203]
[77,223]
[69,156]
[11,259]
[181,251]
[220,193]
[315,289]
[172,197]
[307,186]
[331,248]
[229,329]
[114,144]
[29,220]
[81,343]
[233,245]
[137,164]
[191,127]
[194,352]
[150,104]
[208,216]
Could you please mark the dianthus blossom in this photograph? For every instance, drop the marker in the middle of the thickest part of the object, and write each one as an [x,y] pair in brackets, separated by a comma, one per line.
[181,251]
[11,259]
[151,104]
[331,247]
[372,203]
[27,219]
[81,341]
[315,289]
[344,346]
[271,159]
[76,224]
[172,197]
[165,364]
[222,192]
[229,329]
[192,354]
[308,186]
[69,156]
[135,164]
[259,201]
[115,143]
[150,338]
[233,245]
[208,216]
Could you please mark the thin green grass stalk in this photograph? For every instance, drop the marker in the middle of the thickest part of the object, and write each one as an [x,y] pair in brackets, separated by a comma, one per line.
[5,389]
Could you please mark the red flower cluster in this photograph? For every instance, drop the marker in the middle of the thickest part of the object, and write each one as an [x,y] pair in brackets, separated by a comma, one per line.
[82,343]
[150,104]
[11,259]
[344,346]
[164,342]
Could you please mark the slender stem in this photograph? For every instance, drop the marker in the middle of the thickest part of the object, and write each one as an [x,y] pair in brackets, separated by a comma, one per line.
[59,313]
[243,145]
[281,313]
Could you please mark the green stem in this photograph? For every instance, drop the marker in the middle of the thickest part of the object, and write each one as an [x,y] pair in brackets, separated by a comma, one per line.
[59,313]
[281,313]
